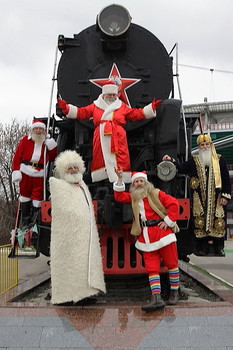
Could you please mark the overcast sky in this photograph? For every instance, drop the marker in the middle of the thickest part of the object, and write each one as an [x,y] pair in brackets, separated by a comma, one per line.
[29,30]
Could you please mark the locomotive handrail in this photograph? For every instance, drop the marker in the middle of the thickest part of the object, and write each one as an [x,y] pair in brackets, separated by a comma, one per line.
[49,115]
[183,117]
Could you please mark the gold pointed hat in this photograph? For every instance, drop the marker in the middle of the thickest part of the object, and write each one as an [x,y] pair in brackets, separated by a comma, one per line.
[203,138]
[215,159]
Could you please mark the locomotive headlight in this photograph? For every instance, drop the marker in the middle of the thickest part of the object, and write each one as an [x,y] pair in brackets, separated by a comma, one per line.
[166,171]
[114,20]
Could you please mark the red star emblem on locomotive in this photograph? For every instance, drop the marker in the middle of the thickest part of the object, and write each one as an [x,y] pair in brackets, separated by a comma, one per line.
[122,83]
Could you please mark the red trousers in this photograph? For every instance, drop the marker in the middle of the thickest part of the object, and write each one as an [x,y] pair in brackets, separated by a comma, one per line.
[31,187]
[168,254]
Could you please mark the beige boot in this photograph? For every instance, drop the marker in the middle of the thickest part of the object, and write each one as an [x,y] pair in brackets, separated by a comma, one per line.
[155,303]
[173,297]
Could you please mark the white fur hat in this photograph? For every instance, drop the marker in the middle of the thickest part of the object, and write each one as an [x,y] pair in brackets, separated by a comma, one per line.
[67,159]
[110,88]
[135,175]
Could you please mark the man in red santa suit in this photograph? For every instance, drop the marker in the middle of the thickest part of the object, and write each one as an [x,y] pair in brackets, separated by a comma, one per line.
[155,215]
[28,170]
[109,113]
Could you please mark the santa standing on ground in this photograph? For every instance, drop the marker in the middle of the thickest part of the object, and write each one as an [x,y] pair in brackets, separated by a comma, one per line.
[155,214]
[76,261]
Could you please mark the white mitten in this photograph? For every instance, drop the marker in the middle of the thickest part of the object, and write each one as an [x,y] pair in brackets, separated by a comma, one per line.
[50,143]
[16,176]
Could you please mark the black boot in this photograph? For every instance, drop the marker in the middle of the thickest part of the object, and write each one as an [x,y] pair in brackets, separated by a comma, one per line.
[218,244]
[34,216]
[173,297]
[201,247]
[155,303]
[25,215]
[219,252]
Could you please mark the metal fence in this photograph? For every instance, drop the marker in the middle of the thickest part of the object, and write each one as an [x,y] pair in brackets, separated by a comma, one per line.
[8,269]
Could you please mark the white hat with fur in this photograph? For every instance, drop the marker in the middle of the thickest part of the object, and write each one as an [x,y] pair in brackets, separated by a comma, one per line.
[68,159]
[110,88]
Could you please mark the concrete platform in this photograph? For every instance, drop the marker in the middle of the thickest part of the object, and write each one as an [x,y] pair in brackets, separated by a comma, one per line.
[222,267]
[29,268]
[121,326]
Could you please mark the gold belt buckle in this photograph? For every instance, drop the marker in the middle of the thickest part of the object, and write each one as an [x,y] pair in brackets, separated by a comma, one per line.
[34,165]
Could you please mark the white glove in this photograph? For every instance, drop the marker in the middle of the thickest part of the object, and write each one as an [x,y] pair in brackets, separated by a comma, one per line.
[50,143]
[16,176]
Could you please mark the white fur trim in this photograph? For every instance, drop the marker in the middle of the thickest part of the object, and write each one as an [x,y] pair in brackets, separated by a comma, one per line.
[24,199]
[150,247]
[126,177]
[118,188]
[109,158]
[169,222]
[137,175]
[110,89]
[36,152]
[73,112]
[50,143]
[143,217]
[38,125]
[28,170]
[148,111]
[36,204]
[16,176]
[99,175]
[100,103]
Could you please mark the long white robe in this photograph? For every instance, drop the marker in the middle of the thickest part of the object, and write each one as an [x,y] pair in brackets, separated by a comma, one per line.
[76,262]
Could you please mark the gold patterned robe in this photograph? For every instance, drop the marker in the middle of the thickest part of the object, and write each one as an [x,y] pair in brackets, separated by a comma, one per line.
[208,215]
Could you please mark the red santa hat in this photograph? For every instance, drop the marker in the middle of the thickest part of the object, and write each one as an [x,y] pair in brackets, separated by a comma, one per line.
[135,175]
[38,124]
[110,88]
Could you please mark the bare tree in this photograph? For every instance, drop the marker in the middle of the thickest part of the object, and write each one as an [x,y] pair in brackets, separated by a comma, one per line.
[10,135]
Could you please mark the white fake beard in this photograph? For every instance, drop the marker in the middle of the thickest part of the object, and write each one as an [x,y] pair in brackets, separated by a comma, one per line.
[205,156]
[73,178]
[109,101]
[140,193]
[38,138]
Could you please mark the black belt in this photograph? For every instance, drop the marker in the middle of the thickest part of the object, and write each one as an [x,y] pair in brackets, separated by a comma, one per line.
[33,164]
[149,223]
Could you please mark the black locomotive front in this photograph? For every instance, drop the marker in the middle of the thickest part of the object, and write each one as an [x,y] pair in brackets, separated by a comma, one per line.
[116,49]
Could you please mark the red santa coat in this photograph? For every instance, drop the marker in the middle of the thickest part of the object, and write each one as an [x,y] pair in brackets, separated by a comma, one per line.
[30,151]
[110,148]
[153,238]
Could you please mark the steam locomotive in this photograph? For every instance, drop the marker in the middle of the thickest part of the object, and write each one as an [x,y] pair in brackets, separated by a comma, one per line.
[116,49]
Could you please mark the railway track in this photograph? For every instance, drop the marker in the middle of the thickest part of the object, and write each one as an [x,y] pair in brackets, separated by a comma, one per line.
[131,289]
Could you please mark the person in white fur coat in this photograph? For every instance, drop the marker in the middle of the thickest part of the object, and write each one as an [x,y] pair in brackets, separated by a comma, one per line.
[76,261]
